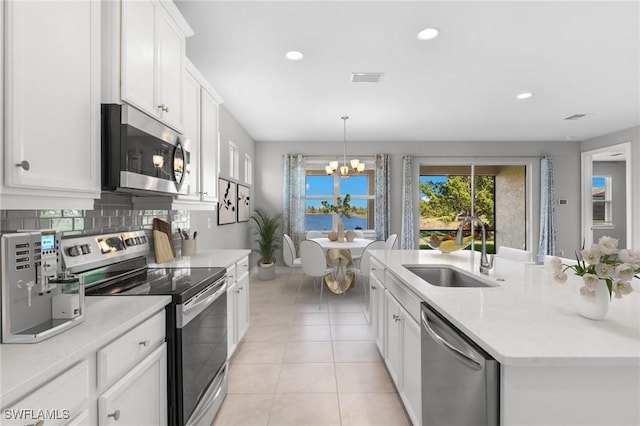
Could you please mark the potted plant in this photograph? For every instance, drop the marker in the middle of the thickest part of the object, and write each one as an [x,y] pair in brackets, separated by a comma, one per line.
[341,208]
[268,242]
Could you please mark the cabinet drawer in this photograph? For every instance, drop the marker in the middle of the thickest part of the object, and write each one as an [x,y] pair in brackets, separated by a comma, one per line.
[242,266]
[61,399]
[126,351]
[231,274]
[408,300]
[377,270]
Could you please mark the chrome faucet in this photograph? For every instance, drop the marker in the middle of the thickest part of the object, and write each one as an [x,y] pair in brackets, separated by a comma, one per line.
[485,262]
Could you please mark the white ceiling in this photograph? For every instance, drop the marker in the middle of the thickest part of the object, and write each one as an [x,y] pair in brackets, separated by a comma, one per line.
[576,57]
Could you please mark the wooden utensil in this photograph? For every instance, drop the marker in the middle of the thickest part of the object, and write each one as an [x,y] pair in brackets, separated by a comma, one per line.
[162,247]
[162,226]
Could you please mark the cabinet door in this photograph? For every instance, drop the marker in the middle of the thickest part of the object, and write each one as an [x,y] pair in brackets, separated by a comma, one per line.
[381,339]
[232,302]
[171,53]
[52,105]
[393,330]
[192,132]
[243,305]
[209,148]
[140,397]
[411,392]
[139,55]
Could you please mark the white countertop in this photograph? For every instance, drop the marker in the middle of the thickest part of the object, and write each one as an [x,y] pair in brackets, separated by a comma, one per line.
[205,259]
[25,366]
[528,319]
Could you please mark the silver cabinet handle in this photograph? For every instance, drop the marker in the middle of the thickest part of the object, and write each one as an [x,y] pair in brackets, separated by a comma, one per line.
[25,166]
[115,415]
[373,287]
[38,423]
[396,318]
[144,343]
[163,107]
[468,360]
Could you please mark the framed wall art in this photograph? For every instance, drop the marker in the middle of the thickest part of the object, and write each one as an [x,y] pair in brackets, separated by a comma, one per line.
[244,203]
[227,202]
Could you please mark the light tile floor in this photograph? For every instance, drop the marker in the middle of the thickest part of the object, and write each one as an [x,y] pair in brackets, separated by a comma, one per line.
[303,364]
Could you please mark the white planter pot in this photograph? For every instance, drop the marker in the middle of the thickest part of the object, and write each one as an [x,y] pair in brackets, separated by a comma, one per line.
[267,271]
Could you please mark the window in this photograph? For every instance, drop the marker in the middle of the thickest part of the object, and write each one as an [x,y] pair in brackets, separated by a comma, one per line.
[248,169]
[602,200]
[445,200]
[321,187]
[234,154]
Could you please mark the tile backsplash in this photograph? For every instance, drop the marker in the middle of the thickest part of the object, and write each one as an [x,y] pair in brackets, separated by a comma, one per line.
[111,213]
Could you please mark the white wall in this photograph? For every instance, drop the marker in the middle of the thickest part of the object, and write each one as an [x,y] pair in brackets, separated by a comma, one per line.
[268,182]
[628,135]
[236,235]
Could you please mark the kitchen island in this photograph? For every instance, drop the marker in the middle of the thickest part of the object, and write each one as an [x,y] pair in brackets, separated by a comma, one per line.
[556,366]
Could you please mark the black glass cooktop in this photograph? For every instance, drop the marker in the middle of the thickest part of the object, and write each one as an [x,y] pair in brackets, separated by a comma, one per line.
[180,283]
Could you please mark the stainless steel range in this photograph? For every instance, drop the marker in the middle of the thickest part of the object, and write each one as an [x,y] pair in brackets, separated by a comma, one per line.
[116,264]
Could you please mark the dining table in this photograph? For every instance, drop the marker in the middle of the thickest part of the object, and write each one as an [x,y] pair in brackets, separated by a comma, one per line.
[340,256]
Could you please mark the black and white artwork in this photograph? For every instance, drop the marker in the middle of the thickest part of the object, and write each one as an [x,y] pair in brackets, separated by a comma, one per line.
[244,203]
[227,202]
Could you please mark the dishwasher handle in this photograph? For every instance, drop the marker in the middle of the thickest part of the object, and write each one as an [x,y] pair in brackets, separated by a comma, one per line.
[462,356]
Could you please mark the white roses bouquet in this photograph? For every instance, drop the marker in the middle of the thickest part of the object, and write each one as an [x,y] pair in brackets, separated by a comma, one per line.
[602,261]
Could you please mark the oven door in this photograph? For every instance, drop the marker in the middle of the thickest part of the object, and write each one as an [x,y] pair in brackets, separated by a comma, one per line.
[201,354]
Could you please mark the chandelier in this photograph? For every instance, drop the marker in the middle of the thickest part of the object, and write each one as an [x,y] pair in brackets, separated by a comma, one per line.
[356,165]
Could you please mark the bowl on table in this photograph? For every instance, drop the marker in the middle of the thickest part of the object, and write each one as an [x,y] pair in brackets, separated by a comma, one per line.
[447,244]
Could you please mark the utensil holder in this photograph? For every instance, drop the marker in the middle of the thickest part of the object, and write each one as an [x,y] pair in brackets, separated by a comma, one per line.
[189,247]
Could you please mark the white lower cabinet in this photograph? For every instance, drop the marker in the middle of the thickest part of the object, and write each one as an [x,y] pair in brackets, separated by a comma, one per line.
[398,337]
[140,397]
[238,314]
[123,383]
[377,302]
[60,401]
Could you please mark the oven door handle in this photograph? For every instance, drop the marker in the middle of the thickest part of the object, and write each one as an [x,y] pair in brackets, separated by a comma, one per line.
[186,312]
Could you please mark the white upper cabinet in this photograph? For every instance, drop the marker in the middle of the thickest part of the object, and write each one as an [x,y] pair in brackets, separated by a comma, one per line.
[51,84]
[201,106]
[144,51]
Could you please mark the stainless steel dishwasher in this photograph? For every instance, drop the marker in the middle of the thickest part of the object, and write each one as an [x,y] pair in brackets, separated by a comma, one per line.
[460,381]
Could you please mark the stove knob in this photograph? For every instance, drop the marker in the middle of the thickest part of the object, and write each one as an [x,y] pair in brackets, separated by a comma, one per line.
[143,239]
[86,249]
[74,251]
[130,242]
[138,241]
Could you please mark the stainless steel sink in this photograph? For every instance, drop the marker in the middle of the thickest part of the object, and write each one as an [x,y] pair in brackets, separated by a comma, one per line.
[446,276]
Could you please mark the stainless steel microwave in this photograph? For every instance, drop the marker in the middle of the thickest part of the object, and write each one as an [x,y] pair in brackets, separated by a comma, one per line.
[139,153]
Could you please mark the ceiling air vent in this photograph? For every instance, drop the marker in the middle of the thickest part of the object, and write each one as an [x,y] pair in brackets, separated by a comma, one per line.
[366,77]
[575,117]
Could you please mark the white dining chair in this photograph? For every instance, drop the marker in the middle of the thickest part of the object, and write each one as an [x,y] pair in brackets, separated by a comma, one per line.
[365,264]
[359,234]
[391,242]
[514,254]
[314,263]
[289,253]
[314,234]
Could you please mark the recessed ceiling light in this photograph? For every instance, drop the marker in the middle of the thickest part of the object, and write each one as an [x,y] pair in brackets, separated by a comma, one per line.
[524,95]
[294,55]
[428,34]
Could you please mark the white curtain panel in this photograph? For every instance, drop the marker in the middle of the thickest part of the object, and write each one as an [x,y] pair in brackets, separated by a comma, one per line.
[548,238]
[382,206]
[407,234]
[293,194]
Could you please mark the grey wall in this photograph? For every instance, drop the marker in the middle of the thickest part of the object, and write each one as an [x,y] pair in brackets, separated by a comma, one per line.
[236,235]
[617,171]
[628,135]
[268,173]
